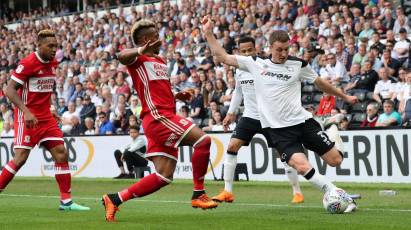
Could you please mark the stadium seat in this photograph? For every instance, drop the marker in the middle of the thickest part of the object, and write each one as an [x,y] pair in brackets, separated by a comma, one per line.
[317,98]
[307,99]
[241,168]
[139,171]
[349,117]
[359,107]
[308,89]
[361,96]
[369,96]
[358,117]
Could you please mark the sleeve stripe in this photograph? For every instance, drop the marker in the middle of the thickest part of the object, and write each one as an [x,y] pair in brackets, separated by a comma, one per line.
[17,80]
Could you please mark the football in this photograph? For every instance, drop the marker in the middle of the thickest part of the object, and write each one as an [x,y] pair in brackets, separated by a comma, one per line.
[335,201]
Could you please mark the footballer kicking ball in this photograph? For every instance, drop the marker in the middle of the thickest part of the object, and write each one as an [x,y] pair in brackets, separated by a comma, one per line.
[335,201]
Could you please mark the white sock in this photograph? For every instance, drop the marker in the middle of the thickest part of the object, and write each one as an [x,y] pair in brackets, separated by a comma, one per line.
[334,136]
[292,178]
[319,181]
[230,163]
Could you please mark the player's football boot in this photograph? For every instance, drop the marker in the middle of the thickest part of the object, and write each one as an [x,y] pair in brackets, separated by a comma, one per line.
[204,202]
[224,196]
[298,198]
[73,207]
[352,206]
[110,208]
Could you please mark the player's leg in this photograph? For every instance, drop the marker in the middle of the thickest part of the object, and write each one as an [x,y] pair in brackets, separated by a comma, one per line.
[63,175]
[201,155]
[23,142]
[292,176]
[12,167]
[165,167]
[230,163]
[315,139]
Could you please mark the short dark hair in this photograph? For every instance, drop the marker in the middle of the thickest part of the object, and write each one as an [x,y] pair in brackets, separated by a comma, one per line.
[140,28]
[390,102]
[245,39]
[102,114]
[135,127]
[45,34]
[279,36]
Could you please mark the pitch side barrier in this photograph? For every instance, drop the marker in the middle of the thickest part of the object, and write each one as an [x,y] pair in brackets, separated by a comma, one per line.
[372,155]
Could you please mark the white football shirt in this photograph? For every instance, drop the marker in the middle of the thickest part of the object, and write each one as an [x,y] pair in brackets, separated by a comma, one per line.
[244,88]
[278,89]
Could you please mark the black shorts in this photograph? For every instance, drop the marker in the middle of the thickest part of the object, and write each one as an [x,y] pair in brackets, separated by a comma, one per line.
[247,128]
[290,140]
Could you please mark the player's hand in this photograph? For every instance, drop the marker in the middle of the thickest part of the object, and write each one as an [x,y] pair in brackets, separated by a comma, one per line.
[351,99]
[229,118]
[184,95]
[30,120]
[207,23]
[150,45]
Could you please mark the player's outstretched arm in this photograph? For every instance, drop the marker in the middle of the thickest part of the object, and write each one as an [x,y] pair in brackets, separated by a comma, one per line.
[11,93]
[128,56]
[215,47]
[326,87]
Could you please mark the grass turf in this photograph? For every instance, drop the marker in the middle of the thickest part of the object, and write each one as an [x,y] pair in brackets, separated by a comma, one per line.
[31,203]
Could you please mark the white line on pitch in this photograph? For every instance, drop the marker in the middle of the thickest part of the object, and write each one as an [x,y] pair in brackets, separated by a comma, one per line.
[186,202]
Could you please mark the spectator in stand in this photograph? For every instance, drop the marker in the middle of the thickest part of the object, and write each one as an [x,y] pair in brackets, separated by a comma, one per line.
[400,86]
[122,87]
[197,112]
[66,120]
[219,91]
[79,104]
[192,61]
[216,123]
[372,115]
[334,71]
[226,98]
[392,64]
[135,105]
[361,56]
[7,130]
[89,126]
[104,125]
[182,68]
[77,128]
[362,83]
[327,103]
[78,92]
[383,89]
[402,47]
[88,110]
[390,117]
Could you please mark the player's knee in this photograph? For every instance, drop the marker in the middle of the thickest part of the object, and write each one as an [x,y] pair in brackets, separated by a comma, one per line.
[203,142]
[301,167]
[19,161]
[165,176]
[233,147]
[335,158]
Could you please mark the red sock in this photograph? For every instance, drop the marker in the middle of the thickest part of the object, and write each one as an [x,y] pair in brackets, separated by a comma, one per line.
[200,160]
[63,178]
[143,187]
[7,174]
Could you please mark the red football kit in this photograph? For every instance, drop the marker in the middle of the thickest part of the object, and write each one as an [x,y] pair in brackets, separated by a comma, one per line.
[37,78]
[163,128]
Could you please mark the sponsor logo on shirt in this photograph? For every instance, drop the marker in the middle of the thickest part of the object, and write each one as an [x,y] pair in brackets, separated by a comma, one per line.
[279,76]
[41,84]
[247,82]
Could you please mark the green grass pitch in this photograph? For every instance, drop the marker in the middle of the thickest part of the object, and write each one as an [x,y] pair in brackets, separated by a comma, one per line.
[31,203]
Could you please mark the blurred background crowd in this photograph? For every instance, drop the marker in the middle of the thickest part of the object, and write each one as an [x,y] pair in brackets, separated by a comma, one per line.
[360,46]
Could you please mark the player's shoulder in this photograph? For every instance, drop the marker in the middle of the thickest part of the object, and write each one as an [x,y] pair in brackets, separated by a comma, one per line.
[29,60]
[292,59]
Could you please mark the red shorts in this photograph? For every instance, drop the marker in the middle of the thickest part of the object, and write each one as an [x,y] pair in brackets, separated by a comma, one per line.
[47,133]
[165,134]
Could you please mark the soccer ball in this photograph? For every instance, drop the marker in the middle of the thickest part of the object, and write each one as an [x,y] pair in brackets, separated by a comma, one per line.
[336,201]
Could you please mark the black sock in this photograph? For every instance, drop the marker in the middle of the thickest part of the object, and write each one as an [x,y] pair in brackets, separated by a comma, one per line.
[196,194]
[232,153]
[115,199]
[310,174]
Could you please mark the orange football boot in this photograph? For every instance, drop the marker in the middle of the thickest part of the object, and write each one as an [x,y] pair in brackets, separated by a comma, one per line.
[203,202]
[110,208]
[298,198]
[224,196]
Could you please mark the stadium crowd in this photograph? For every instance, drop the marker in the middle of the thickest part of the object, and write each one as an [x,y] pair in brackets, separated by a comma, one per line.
[362,47]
